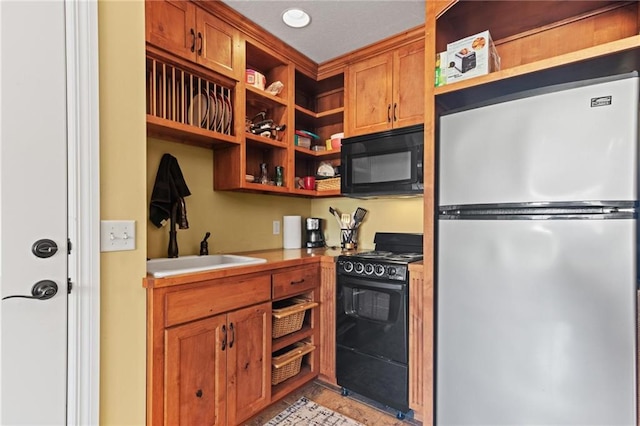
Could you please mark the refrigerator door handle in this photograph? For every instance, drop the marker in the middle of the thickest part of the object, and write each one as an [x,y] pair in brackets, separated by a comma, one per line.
[523,212]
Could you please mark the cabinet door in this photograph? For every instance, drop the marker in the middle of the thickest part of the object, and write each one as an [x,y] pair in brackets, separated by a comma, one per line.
[195,373]
[218,45]
[249,365]
[408,85]
[369,94]
[171,25]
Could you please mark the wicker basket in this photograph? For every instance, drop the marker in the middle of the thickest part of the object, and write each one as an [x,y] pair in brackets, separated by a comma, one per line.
[289,319]
[328,184]
[288,364]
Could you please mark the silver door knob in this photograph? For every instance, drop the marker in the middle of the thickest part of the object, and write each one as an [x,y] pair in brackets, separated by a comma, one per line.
[42,290]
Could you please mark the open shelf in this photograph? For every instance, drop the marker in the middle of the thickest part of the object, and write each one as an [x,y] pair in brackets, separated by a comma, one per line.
[187,107]
[616,57]
[163,128]
[570,41]
[283,389]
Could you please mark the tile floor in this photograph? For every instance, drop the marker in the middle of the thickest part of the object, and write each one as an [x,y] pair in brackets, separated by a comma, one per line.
[358,408]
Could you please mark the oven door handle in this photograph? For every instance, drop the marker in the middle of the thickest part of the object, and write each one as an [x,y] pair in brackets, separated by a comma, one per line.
[360,283]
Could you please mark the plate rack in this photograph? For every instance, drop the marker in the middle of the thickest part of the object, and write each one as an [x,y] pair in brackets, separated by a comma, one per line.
[183,97]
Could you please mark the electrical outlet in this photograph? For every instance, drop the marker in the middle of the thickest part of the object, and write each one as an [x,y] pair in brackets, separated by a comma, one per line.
[276,227]
[117,235]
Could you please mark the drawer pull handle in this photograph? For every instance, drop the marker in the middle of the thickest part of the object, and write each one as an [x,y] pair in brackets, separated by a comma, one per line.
[233,335]
[297,282]
[224,337]
[389,113]
[199,393]
[193,40]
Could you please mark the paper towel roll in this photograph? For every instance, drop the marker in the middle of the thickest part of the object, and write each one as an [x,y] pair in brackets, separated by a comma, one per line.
[292,232]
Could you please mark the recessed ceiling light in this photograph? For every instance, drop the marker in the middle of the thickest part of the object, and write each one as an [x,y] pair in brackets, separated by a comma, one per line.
[296,18]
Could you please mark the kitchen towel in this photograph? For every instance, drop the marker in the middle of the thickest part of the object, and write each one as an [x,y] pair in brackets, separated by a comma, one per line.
[169,188]
[292,232]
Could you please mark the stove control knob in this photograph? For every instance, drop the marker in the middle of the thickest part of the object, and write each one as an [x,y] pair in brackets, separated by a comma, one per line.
[348,266]
[391,270]
[359,267]
[379,270]
[368,269]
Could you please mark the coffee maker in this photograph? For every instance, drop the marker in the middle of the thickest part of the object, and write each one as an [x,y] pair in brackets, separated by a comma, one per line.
[313,227]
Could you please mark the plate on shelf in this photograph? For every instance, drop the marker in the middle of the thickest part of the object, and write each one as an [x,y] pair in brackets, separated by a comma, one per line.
[198,108]
[219,112]
[229,115]
[213,110]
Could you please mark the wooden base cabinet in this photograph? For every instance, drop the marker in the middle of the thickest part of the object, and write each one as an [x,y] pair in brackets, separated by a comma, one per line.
[208,350]
[212,355]
[296,284]
[216,368]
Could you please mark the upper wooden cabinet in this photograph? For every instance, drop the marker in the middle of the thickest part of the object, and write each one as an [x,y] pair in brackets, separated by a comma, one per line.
[386,91]
[171,25]
[194,34]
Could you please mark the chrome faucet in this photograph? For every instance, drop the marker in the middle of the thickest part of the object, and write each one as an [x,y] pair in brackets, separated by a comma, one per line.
[179,215]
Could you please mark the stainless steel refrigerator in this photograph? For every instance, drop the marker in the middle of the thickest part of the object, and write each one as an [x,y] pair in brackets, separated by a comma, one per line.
[537,254]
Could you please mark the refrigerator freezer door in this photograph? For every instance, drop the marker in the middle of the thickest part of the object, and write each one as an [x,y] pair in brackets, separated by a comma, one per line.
[536,322]
[572,145]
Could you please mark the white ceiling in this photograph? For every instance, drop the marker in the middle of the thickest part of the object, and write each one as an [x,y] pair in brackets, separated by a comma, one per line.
[337,26]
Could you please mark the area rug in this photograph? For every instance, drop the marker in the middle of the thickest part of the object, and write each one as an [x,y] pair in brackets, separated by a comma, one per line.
[306,412]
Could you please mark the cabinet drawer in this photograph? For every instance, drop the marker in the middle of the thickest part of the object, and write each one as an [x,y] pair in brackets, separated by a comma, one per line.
[214,297]
[295,281]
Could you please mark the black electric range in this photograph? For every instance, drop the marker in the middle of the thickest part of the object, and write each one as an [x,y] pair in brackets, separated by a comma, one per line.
[372,319]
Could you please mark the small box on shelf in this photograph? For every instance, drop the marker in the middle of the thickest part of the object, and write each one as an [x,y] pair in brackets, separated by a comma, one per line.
[471,57]
[255,79]
[441,69]
[303,141]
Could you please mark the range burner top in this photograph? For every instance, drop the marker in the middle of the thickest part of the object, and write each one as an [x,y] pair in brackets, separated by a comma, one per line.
[389,256]
[389,261]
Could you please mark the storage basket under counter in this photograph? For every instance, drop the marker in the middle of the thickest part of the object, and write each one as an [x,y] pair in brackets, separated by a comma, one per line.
[287,362]
[290,317]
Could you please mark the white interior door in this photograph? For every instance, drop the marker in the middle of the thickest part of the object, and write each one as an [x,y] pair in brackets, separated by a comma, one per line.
[33,206]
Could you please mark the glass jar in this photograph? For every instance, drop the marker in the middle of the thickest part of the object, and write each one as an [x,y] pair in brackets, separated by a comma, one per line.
[279,175]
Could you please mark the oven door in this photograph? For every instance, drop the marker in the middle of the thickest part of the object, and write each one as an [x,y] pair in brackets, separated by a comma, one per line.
[372,317]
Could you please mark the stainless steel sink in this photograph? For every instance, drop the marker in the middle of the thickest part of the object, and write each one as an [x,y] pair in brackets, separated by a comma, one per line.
[182,265]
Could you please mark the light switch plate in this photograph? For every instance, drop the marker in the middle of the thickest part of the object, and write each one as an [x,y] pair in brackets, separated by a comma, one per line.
[276,227]
[117,235]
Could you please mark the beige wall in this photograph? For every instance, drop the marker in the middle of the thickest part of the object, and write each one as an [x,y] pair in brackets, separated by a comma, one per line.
[237,221]
[384,215]
[122,196]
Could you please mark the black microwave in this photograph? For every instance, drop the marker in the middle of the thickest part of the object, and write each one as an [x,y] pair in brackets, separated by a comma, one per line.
[383,164]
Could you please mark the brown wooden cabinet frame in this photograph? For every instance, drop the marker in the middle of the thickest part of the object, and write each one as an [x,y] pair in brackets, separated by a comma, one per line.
[540,43]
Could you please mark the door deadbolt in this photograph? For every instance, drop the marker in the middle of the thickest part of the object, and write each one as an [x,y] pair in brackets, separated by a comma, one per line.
[44,248]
